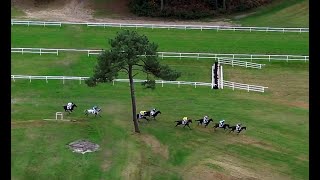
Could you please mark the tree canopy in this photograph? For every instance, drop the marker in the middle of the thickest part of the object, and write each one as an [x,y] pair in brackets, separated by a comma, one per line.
[130,52]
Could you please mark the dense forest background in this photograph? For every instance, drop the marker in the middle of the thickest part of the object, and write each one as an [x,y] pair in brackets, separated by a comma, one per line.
[192,9]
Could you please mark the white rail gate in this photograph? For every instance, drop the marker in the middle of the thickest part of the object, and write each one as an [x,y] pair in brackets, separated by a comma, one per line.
[219,83]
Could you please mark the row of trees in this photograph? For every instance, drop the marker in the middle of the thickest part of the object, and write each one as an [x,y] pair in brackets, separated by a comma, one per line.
[131,52]
[191,9]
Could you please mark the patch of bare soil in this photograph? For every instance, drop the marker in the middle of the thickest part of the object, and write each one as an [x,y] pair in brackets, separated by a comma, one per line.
[29,123]
[300,104]
[156,146]
[82,11]
[72,10]
[231,170]
[205,173]
[278,100]
[303,157]
[245,140]
[17,100]
[106,163]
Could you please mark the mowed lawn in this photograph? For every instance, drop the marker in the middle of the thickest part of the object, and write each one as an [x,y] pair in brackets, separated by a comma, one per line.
[281,13]
[273,147]
[173,40]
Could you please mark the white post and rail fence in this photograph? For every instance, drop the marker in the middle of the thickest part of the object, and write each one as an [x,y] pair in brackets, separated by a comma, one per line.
[179,55]
[161,26]
[233,62]
[230,84]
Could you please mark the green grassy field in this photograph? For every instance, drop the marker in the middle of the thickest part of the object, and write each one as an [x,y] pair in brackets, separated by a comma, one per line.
[168,40]
[285,13]
[275,145]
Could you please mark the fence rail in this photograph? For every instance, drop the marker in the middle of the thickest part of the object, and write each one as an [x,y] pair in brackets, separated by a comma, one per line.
[233,85]
[163,26]
[234,62]
[247,87]
[36,23]
[179,55]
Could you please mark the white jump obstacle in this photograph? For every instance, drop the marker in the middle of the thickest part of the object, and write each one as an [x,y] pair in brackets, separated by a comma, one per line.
[59,114]
[217,81]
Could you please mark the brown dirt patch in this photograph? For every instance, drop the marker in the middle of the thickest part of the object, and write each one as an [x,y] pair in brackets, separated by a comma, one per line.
[39,123]
[106,163]
[113,108]
[133,169]
[277,100]
[156,146]
[106,155]
[303,157]
[245,140]
[29,123]
[227,167]
[18,100]
[64,62]
[72,10]
[205,173]
[238,170]
[299,104]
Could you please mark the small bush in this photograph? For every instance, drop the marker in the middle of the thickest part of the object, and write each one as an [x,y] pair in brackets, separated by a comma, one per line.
[149,84]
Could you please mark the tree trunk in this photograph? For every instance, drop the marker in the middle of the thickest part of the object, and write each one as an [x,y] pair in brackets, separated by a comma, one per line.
[224,5]
[133,101]
[161,5]
[216,4]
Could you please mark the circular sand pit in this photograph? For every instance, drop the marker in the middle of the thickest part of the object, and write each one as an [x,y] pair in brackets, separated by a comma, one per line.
[83,146]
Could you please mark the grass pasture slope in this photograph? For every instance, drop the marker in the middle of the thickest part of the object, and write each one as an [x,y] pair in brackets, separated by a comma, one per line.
[282,13]
[276,121]
[173,40]
[275,146]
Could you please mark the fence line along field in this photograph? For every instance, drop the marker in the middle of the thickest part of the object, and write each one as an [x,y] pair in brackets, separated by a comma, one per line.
[229,84]
[221,42]
[180,55]
[161,26]
[273,146]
